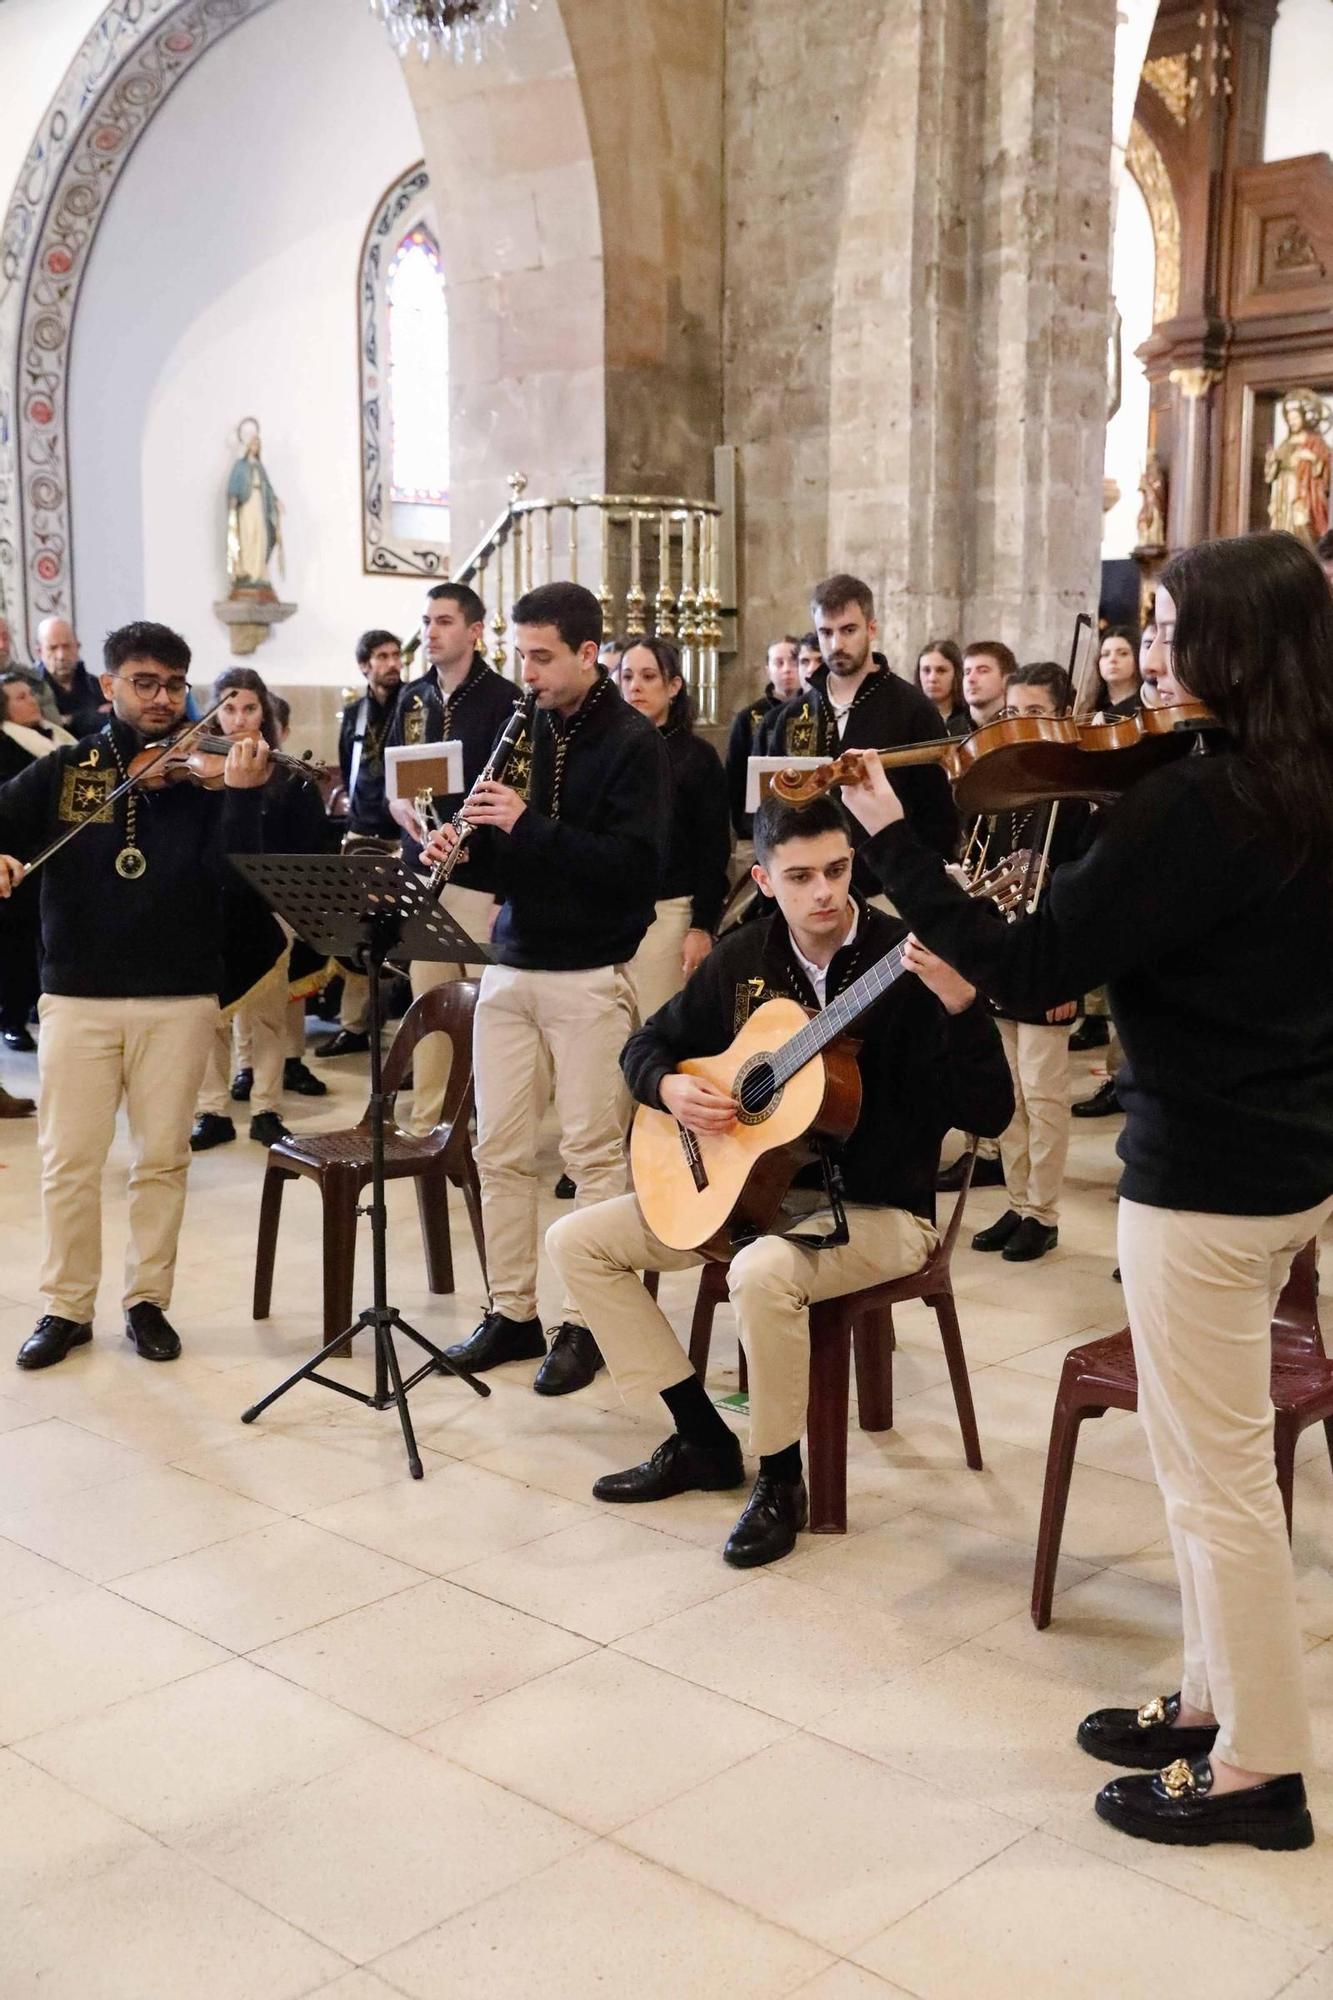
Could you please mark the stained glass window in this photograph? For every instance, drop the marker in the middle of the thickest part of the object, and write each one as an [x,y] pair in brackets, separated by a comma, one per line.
[418,355]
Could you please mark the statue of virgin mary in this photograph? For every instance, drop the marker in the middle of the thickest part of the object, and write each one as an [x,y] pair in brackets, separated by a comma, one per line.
[254,523]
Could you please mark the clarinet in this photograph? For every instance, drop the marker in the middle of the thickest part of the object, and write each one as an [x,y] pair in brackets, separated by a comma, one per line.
[494,767]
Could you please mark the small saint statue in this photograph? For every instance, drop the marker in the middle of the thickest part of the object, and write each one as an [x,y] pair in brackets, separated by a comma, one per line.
[254,517]
[1152,514]
[1297,470]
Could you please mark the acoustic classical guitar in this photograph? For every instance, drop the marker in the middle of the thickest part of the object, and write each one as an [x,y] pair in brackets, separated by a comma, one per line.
[795,1084]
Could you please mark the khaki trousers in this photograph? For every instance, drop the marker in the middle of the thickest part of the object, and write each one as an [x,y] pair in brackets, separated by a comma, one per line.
[261,1032]
[93,1055]
[600,1253]
[1035,1143]
[1200,1291]
[354,1013]
[473,910]
[528,1025]
[655,971]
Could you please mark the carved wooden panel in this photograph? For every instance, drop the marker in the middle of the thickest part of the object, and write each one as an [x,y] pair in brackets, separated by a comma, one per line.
[1284,238]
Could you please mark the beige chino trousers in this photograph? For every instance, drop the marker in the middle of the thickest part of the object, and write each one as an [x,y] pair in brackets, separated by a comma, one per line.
[528,1026]
[95,1054]
[472,910]
[1200,1290]
[1035,1144]
[260,1027]
[600,1253]
[655,971]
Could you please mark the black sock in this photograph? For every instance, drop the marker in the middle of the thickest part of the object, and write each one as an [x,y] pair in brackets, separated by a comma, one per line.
[784,1465]
[694,1416]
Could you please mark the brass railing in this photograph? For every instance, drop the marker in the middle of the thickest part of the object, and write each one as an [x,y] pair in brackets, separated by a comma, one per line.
[655,557]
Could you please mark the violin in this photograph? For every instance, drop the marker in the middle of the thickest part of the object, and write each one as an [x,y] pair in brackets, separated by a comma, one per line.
[1025,760]
[201,760]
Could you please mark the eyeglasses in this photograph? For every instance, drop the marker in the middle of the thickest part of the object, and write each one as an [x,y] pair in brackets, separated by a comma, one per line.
[147,685]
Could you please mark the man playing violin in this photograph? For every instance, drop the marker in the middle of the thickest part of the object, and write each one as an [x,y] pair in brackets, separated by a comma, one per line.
[928,1057]
[131,964]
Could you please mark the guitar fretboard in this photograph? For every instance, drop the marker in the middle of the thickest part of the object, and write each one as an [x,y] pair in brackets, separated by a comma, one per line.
[839,1015]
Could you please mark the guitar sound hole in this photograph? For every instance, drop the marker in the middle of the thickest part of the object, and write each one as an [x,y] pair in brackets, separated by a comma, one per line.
[756,1090]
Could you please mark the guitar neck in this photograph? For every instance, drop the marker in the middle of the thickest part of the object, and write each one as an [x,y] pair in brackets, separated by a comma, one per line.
[838,1016]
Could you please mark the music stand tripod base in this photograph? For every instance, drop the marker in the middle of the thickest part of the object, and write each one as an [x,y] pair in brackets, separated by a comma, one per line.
[366,907]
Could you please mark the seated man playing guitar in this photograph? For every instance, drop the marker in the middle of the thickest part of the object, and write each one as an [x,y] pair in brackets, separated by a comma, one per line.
[928,1058]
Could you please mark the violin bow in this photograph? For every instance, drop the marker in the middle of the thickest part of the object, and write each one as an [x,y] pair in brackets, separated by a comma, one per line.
[127,784]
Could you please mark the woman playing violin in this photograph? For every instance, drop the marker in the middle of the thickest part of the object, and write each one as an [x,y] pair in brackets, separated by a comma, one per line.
[1205,903]
[255,952]
[131,968]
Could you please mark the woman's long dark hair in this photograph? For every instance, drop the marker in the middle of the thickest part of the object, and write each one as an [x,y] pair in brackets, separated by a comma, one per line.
[1254,641]
[680,715]
[247,679]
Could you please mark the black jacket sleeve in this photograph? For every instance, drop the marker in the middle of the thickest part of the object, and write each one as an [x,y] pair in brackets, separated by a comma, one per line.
[710,836]
[346,738]
[629,846]
[738,757]
[27,808]
[979,1091]
[692,1023]
[1149,883]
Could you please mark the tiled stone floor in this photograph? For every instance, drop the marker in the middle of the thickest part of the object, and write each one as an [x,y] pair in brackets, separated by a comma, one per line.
[275,1721]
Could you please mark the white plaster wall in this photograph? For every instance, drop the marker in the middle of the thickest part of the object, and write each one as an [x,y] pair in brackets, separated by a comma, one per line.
[223,285]
[1127,432]
[38,41]
[1300,81]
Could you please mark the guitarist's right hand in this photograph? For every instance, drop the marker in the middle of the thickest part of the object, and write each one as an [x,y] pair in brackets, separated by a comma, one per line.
[698,1106]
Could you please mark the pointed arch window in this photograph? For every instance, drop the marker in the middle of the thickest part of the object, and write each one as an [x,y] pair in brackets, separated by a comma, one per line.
[418,372]
[403,345]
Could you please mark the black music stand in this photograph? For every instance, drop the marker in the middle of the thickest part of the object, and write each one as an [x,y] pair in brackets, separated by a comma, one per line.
[368,908]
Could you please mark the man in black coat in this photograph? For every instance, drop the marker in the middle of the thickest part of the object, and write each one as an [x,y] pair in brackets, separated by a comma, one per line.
[855,702]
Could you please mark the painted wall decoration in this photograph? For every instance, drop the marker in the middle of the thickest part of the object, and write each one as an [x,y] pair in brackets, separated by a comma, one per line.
[385,553]
[130,61]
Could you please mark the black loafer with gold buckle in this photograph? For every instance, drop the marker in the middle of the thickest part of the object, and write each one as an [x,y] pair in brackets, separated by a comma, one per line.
[1176,1807]
[1143,1739]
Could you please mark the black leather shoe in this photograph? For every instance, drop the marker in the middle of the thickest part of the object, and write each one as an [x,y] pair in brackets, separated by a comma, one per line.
[998,1234]
[988,1173]
[302,1081]
[347,1042]
[677,1466]
[268,1128]
[19,1040]
[241,1085]
[1176,1807]
[1092,1032]
[498,1339]
[15,1107]
[774,1515]
[564,1189]
[1031,1239]
[51,1340]
[1143,1739]
[152,1332]
[210,1129]
[573,1360]
[1103,1103]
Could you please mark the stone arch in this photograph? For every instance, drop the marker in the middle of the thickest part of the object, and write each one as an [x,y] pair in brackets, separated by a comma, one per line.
[125,68]
[1144,162]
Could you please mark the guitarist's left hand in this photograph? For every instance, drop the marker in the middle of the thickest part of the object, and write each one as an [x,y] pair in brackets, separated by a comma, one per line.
[871,797]
[948,986]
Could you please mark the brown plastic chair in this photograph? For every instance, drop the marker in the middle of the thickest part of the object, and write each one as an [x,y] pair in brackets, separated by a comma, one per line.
[859,1324]
[339,1162]
[1101,1376]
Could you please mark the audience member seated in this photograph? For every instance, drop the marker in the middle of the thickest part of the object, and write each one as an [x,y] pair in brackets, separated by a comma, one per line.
[25,735]
[939,675]
[747,725]
[77,694]
[1034,1145]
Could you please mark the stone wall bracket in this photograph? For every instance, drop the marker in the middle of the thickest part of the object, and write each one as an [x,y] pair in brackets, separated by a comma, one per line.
[249,618]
